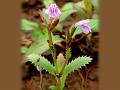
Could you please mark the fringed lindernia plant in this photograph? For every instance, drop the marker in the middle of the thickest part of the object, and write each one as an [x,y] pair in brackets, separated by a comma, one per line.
[61,67]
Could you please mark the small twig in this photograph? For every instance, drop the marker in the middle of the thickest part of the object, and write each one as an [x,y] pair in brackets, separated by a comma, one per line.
[82,80]
[86,76]
[40,80]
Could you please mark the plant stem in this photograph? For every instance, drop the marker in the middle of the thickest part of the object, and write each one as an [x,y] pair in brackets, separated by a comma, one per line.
[68,38]
[58,83]
[52,48]
[53,51]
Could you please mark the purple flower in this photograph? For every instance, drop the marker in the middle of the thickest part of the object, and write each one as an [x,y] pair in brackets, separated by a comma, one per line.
[84,26]
[53,11]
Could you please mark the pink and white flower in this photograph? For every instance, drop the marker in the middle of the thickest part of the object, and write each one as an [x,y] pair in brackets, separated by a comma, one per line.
[53,11]
[84,26]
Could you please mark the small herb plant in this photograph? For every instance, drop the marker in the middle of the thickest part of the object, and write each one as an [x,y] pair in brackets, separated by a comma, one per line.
[61,66]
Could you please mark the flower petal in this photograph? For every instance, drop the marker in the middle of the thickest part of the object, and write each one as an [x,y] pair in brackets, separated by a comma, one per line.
[53,11]
[82,22]
[85,28]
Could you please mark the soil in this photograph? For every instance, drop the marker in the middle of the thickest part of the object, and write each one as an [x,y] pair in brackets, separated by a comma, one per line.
[32,79]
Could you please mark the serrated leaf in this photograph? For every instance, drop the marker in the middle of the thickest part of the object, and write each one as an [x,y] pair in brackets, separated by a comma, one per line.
[41,62]
[68,54]
[33,58]
[27,25]
[45,64]
[74,65]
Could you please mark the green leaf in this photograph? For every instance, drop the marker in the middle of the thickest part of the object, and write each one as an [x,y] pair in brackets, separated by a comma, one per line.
[74,65]
[24,49]
[77,63]
[94,24]
[67,6]
[80,11]
[95,16]
[67,9]
[88,6]
[42,62]
[53,87]
[27,25]
[59,27]
[42,45]
[65,14]
[38,35]
[95,3]
[47,2]
[56,39]
[38,48]
[33,58]
[45,64]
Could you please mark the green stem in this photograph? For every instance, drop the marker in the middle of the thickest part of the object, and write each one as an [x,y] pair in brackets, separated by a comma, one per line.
[52,48]
[58,83]
[53,51]
[68,38]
